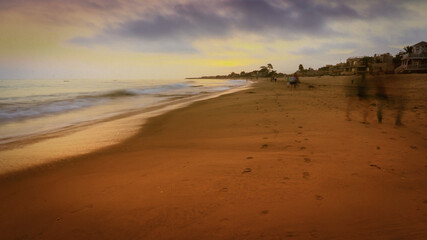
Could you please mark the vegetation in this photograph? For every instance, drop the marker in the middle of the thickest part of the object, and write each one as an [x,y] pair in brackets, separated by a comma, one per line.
[267,70]
[408,49]
[263,72]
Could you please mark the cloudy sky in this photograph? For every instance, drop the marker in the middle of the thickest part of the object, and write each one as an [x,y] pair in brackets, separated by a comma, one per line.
[181,38]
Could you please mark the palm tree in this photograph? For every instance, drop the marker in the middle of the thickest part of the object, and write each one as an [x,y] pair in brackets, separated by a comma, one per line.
[408,49]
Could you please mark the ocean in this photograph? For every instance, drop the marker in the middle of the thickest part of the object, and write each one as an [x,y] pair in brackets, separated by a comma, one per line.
[38,114]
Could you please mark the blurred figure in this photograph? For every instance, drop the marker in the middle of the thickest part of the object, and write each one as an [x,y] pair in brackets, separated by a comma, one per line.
[389,93]
[294,80]
[380,95]
[357,92]
[397,100]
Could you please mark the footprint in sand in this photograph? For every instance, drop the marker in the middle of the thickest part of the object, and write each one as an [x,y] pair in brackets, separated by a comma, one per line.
[285,180]
[263,212]
[414,147]
[302,148]
[307,160]
[373,165]
[249,157]
[319,198]
[264,146]
[306,175]
[246,170]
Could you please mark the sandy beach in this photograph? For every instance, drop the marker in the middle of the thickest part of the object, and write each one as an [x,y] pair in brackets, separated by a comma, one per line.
[263,163]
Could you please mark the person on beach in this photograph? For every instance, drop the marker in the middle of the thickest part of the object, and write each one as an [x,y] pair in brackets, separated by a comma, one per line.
[288,81]
[294,80]
[358,90]
[390,96]
[380,95]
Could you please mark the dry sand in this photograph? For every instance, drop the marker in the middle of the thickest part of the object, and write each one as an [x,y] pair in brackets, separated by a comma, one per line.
[263,163]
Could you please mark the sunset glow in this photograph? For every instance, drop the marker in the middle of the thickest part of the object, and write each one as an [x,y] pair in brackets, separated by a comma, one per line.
[140,39]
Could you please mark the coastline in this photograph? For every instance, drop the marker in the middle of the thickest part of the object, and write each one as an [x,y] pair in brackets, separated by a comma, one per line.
[261,163]
[89,136]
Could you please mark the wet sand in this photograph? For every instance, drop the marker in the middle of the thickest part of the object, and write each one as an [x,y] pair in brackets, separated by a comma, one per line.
[79,139]
[263,163]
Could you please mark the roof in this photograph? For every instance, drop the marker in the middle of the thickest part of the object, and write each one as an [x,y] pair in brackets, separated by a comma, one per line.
[420,44]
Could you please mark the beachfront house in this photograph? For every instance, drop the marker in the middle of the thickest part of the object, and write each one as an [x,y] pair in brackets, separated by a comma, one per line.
[382,63]
[377,63]
[355,65]
[415,61]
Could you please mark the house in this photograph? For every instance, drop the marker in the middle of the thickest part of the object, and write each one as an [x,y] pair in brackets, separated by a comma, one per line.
[415,61]
[382,63]
[355,65]
[377,63]
[337,69]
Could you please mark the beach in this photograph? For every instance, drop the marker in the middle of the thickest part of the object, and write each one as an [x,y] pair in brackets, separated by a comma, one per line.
[267,162]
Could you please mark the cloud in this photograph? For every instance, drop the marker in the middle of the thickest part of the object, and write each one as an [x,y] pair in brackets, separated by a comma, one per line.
[220,18]
[326,48]
[178,24]
[82,4]
[192,20]
[186,21]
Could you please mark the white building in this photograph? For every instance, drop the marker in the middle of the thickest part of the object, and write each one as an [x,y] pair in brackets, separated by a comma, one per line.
[415,61]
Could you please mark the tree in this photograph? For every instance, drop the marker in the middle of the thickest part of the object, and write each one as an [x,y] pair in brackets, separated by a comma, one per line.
[366,61]
[397,60]
[270,67]
[301,68]
[263,71]
[233,74]
[272,74]
[255,74]
[408,49]
[242,73]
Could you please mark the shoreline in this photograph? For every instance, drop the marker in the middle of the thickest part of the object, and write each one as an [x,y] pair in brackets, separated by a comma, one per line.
[84,138]
[264,163]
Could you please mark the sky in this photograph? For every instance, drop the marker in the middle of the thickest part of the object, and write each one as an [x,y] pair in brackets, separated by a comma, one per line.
[165,39]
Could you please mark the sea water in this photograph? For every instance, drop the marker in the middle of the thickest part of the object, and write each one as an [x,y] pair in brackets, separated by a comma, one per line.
[37,116]
[29,107]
